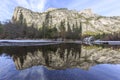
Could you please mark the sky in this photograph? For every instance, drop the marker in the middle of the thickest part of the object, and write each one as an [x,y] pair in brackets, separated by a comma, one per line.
[101,7]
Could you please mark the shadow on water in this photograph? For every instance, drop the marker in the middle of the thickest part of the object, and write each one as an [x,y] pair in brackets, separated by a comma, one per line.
[59,62]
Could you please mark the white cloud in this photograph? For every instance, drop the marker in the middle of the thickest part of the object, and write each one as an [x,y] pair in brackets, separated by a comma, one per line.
[5,10]
[23,3]
[35,5]
[41,5]
[104,7]
[7,7]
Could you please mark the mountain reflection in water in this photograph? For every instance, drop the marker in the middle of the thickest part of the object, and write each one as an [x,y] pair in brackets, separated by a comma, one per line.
[62,62]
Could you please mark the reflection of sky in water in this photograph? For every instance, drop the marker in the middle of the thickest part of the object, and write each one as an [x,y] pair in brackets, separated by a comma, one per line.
[99,72]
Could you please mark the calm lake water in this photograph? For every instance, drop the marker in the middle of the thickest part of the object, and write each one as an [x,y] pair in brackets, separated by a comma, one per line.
[60,62]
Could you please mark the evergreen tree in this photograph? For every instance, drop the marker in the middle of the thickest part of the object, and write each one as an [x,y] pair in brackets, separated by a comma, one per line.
[62,29]
[43,30]
[21,19]
[69,31]
[80,29]
[1,29]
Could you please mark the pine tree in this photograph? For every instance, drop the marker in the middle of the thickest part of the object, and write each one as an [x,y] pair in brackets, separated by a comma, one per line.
[80,30]
[62,29]
[69,31]
[21,19]
[43,30]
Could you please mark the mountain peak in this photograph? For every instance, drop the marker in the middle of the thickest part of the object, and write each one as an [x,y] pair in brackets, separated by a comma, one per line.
[51,9]
[87,11]
[20,8]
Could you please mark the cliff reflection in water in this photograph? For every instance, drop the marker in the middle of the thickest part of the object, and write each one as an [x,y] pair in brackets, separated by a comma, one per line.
[61,56]
[53,56]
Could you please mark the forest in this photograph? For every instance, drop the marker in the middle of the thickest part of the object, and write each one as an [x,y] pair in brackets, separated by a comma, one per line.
[18,30]
[112,37]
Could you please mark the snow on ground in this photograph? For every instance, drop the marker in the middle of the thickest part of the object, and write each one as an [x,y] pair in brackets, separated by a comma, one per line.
[107,42]
[26,40]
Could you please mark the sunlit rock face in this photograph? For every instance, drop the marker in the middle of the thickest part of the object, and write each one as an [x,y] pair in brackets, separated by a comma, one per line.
[52,17]
[62,56]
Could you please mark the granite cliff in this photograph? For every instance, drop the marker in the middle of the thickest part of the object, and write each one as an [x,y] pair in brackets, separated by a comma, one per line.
[52,17]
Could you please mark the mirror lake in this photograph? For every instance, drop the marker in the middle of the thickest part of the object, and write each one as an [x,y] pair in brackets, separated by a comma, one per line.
[65,61]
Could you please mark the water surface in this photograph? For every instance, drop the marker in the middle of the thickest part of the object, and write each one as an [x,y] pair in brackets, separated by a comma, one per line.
[60,62]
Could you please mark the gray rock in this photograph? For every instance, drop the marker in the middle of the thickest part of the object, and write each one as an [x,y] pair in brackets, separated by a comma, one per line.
[91,22]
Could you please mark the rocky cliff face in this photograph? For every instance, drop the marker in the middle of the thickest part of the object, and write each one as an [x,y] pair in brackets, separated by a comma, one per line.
[52,17]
